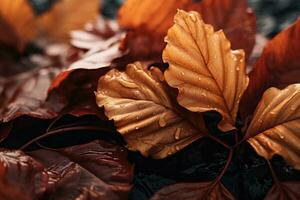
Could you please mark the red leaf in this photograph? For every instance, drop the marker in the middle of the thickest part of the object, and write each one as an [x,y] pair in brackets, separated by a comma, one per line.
[21,177]
[284,191]
[278,66]
[97,168]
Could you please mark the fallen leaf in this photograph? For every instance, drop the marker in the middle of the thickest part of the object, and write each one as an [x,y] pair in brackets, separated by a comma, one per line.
[17,23]
[148,23]
[97,169]
[141,106]
[276,123]
[26,93]
[21,177]
[278,66]
[67,15]
[284,190]
[194,191]
[208,74]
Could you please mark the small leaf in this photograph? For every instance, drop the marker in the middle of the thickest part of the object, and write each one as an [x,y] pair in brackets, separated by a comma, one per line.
[284,190]
[275,127]
[17,23]
[194,191]
[207,73]
[144,113]
[278,66]
[21,177]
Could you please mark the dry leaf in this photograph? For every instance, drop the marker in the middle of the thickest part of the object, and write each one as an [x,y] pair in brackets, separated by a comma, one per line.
[284,190]
[278,66]
[208,74]
[148,23]
[68,15]
[17,23]
[194,191]
[275,127]
[143,111]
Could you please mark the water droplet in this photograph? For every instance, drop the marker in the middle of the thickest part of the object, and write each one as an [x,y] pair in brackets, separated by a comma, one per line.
[177,133]
[237,69]
[162,121]
[260,121]
[199,78]
[272,113]
[234,58]
[137,117]
[182,73]
[193,17]
[281,137]
[137,128]
[293,108]
[177,148]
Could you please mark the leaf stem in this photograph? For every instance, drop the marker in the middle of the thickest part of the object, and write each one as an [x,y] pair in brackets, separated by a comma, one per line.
[64,130]
[275,178]
[218,179]
[219,141]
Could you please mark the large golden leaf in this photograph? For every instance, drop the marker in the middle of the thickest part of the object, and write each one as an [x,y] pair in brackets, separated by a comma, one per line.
[149,21]
[278,66]
[208,74]
[17,24]
[139,103]
[68,15]
[275,127]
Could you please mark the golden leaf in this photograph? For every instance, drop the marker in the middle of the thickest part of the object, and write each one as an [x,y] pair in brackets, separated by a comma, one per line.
[208,74]
[68,15]
[17,24]
[144,113]
[275,127]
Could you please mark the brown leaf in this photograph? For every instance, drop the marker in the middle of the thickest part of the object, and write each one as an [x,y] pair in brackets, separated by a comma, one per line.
[284,191]
[275,127]
[148,23]
[278,66]
[144,113]
[25,94]
[67,15]
[194,191]
[207,73]
[97,170]
[17,23]
[21,177]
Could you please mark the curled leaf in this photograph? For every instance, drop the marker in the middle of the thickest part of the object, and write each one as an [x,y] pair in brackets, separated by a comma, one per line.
[194,191]
[21,177]
[207,73]
[17,23]
[275,127]
[141,106]
[278,66]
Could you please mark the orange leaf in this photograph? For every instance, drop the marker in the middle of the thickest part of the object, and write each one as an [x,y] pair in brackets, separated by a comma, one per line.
[278,66]
[148,22]
[275,127]
[143,111]
[207,73]
[17,23]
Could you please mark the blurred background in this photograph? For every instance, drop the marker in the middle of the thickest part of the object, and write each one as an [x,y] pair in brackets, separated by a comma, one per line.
[272,15]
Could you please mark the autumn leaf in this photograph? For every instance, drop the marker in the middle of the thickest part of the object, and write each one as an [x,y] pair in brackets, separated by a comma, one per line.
[17,23]
[278,66]
[208,74]
[284,190]
[276,123]
[21,177]
[144,113]
[67,15]
[194,191]
[148,23]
